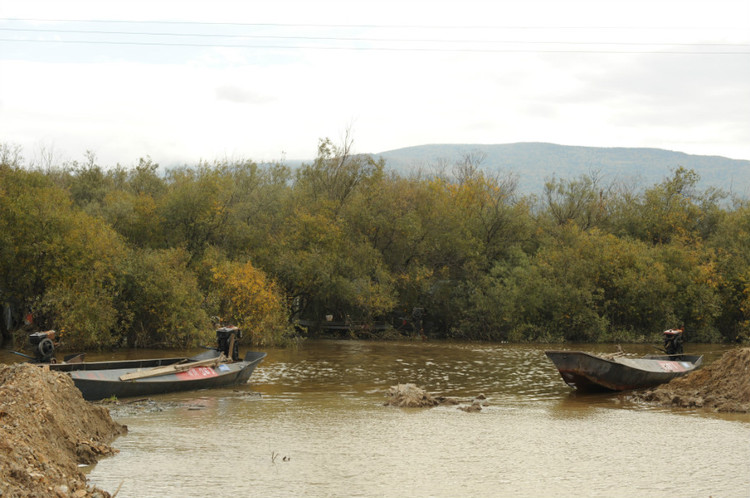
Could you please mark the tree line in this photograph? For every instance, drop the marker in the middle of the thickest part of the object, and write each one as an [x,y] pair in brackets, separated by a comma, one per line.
[145,257]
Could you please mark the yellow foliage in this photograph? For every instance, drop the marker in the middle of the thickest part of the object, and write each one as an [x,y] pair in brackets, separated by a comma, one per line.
[252,301]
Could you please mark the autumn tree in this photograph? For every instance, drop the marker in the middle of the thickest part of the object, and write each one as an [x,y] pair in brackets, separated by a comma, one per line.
[56,260]
[248,298]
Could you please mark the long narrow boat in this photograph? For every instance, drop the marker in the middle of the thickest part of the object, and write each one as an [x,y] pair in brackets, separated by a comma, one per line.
[218,367]
[588,372]
[130,378]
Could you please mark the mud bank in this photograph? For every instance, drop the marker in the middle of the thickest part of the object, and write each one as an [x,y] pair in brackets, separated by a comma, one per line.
[46,430]
[723,386]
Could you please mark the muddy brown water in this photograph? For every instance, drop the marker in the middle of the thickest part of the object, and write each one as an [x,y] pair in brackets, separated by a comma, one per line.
[311,422]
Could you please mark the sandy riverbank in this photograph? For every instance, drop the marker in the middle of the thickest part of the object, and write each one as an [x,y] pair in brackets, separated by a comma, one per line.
[46,430]
[723,386]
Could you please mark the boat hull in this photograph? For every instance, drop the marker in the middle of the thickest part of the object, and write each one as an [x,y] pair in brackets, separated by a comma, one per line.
[99,380]
[587,372]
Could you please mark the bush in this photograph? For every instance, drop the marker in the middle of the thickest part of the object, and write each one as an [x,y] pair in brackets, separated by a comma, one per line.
[253,302]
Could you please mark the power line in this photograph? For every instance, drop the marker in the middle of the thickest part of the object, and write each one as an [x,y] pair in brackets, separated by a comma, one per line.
[386,49]
[367,39]
[362,26]
[442,41]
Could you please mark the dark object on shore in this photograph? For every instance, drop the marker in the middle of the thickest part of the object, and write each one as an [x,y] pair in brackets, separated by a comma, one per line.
[673,341]
[218,367]
[43,346]
[588,372]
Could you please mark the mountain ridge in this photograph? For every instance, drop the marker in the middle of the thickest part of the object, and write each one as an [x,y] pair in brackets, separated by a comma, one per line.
[535,162]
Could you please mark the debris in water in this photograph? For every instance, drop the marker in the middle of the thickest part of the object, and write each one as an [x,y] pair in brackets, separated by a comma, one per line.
[411,396]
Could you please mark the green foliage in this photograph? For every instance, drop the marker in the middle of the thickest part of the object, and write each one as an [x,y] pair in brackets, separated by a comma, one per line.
[195,208]
[88,183]
[673,210]
[590,286]
[83,313]
[582,201]
[143,256]
[160,301]
[730,243]
[336,173]
[134,216]
[57,261]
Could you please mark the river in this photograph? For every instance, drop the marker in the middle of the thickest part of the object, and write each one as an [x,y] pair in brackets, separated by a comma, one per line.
[312,422]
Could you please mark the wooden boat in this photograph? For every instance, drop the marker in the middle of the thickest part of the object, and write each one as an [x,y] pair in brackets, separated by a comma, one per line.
[588,372]
[218,367]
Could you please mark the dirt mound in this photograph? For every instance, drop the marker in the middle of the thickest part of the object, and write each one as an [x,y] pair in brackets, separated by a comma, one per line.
[723,386]
[46,430]
[411,396]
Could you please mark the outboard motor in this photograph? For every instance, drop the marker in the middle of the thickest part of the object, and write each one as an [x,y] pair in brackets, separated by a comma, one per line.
[224,341]
[43,346]
[673,342]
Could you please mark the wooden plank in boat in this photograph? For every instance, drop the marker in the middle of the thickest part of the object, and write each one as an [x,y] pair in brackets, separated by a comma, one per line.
[179,367]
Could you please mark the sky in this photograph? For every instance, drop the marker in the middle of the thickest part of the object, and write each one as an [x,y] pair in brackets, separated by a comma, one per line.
[188,81]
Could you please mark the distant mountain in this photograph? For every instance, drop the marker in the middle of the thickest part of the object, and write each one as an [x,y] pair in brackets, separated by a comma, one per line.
[536,162]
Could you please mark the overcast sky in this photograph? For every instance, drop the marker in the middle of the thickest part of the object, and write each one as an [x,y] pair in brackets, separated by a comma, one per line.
[183,81]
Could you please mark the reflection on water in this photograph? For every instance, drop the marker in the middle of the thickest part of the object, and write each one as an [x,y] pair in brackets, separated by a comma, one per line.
[319,428]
